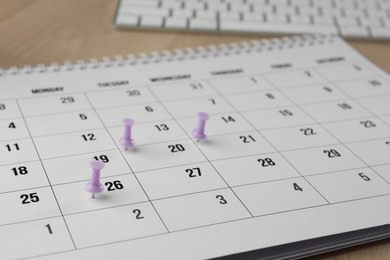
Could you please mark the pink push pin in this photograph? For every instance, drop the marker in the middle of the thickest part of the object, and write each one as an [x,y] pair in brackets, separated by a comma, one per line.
[198,132]
[126,141]
[94,186]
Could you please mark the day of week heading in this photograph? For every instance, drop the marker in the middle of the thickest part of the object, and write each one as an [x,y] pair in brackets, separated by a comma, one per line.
[113,83]
[173,77]
[45,90]
[281,66]
[331,59]
[224,72]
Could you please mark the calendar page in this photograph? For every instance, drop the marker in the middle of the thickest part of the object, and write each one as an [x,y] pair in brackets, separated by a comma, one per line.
[193,154]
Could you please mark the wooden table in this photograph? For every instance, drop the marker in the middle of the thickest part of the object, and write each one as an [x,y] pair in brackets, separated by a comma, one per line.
[45,31]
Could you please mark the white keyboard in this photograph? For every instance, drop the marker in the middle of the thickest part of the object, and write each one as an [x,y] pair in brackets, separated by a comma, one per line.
[369,19]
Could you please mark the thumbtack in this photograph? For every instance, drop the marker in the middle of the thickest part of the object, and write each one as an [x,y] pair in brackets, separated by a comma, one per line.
[94,185]
[198,133]
[126,141]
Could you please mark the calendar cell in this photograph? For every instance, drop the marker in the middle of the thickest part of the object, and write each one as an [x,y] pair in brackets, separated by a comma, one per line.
[180,180]
[299,137]
[349,185]
[119,190]
[234,145]
[219,124]
[63,123]
[276,118]
[77,168]
[365,87]
[13,129]
[150,112]
[362,129]
[189,108]
[182,91]
[200,209]
[377,105]
[315,94]
[114,225]
[253,169]
[9,109]
[120,97]
[240,84]
[74,143]
[258,100]
[345,72]
[373,152]
[383,171]
[278,196]
[149,133]
[27,205]
[14,151]
[42,237]
[22,176]
[328,112]
[294,78]
[155,156]
[323,159]
[54,104]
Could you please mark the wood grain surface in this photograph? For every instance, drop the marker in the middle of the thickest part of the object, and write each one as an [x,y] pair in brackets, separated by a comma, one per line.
[45,31]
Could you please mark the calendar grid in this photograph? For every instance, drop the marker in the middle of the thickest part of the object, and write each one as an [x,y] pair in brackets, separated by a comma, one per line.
[214,160]
[139,183]
[363,106]
[190,138]
[222,134]
[320,124]
[48,180]
[374,115]
[216,114]
[215,135]
[272,146]
[256,159]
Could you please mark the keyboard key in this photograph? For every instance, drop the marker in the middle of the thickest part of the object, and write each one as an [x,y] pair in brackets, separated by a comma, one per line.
[229,16]
[346,22]
[354,31]
[323,20]
[180,13]
[203,24]
[128,20]
[151,21]
[143,10]
[383,33]
[206,15]
[149,3]
[172,22]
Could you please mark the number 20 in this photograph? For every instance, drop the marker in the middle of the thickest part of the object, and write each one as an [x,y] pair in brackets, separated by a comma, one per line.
[176,148]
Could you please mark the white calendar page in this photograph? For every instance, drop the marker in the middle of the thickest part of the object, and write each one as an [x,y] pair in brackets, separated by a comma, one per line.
[298,147]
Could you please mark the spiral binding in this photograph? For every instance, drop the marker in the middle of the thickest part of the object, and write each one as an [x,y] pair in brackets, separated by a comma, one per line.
[177,54]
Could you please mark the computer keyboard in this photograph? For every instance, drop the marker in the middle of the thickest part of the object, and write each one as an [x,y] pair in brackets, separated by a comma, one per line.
[368,19]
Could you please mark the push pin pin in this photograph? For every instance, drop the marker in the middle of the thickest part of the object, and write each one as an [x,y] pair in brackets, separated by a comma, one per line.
[198,133]
[126,141]
[94,185]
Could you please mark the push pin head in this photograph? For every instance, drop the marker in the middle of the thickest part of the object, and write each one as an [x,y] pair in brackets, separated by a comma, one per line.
[94,186]
[126,141]
[198,133]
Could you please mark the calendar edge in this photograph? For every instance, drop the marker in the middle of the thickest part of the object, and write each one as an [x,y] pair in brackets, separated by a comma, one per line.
[199,52]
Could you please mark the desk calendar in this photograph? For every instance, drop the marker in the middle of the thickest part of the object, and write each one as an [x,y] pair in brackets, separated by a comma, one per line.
[296,160]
